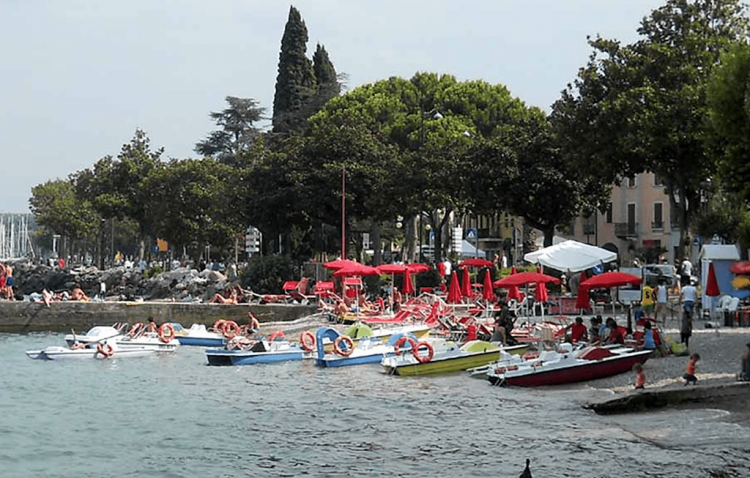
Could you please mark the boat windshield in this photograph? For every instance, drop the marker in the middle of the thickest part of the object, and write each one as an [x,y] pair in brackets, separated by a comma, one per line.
[102,332]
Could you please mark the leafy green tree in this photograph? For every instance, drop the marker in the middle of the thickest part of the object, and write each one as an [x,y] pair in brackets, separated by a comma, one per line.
[238,132]
[295,83]
[115,187]
[189,206]
[642,107]
[721,214]
[57,209]
[729,102]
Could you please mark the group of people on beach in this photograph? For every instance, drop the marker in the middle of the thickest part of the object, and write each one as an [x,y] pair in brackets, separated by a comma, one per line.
[6,281]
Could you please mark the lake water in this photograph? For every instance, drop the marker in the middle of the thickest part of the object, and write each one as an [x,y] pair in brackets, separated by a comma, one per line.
[177,417]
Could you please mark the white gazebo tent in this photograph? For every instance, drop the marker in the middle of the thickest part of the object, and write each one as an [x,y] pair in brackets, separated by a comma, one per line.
[572,256]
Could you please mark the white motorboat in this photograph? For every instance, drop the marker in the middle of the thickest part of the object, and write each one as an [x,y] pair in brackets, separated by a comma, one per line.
[198,335]
[93,336]
[105,349]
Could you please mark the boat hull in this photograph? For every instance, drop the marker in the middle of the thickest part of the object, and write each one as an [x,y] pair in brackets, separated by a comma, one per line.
[244,357]
[201,341]
[62,353]
[451,364]
[580,372]
[334,361]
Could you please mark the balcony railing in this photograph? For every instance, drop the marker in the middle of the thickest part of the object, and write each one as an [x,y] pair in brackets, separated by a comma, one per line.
[626,229]
[657,225]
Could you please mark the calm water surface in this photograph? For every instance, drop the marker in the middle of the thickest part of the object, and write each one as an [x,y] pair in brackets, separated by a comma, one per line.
[176,417]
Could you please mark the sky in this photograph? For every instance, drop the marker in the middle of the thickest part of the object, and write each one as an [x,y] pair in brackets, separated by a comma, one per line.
[78,77]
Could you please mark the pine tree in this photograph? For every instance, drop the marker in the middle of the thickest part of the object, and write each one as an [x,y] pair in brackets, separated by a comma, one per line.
[295,83]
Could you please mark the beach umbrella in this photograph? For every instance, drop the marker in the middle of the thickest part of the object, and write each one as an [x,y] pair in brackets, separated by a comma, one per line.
[338,264]
[466,283]
[392,268]
[611,279]
[454,290]
[741,267]
[525,278]
[608,280]
[408,287]
[356,269]
[475,262]
[712,285]
[541,294]
[418,267]
[488,293]
[513,292]
[582,299]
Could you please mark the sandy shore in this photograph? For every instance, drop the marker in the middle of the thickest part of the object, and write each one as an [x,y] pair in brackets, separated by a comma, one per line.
[720,350]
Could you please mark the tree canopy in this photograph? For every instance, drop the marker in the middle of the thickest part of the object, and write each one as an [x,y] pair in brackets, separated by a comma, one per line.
[642,107]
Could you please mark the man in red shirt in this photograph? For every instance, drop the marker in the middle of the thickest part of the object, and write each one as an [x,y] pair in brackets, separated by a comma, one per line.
[615,334]
[578,331]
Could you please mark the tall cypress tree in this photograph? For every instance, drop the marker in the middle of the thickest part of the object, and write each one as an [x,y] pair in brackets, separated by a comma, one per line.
[295,82]
[325,73]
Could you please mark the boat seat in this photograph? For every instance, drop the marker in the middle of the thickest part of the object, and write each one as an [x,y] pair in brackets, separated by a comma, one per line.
[258,347]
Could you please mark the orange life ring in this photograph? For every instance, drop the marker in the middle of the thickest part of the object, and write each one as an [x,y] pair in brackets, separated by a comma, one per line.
[166,333]
[349,345]
[135,329]
[307,340]
[218,325]
[276,335]
[230,329]
[105,350]
[402,341]
[423,358]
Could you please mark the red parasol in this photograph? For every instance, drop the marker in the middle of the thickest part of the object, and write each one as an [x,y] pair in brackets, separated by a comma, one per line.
[712,285]
[524,278]
[487,292]
[610,279]
[418,267]
[408,287]
[475,262]
[741,267]
[356,269]
[582,300]
[541,294]
[338,264]
[392,269]
[466,283]
[454,291]
[513,292]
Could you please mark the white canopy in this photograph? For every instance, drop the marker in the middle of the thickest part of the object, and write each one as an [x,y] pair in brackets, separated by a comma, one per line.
[571,256]
[719,252]
[468,250]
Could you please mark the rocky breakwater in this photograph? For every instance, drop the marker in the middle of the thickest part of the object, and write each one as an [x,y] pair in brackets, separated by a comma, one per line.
[180,295]
[120,283]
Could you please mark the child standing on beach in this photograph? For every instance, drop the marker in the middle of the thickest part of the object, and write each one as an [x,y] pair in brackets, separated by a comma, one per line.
[690,371]
[640,377]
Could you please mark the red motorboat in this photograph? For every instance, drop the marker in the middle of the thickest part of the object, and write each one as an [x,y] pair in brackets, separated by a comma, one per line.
[565,365]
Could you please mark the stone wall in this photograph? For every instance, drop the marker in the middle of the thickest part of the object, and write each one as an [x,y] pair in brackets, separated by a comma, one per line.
[62,316]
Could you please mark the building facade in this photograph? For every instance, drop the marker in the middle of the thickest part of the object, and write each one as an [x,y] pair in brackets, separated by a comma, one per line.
[637,222]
